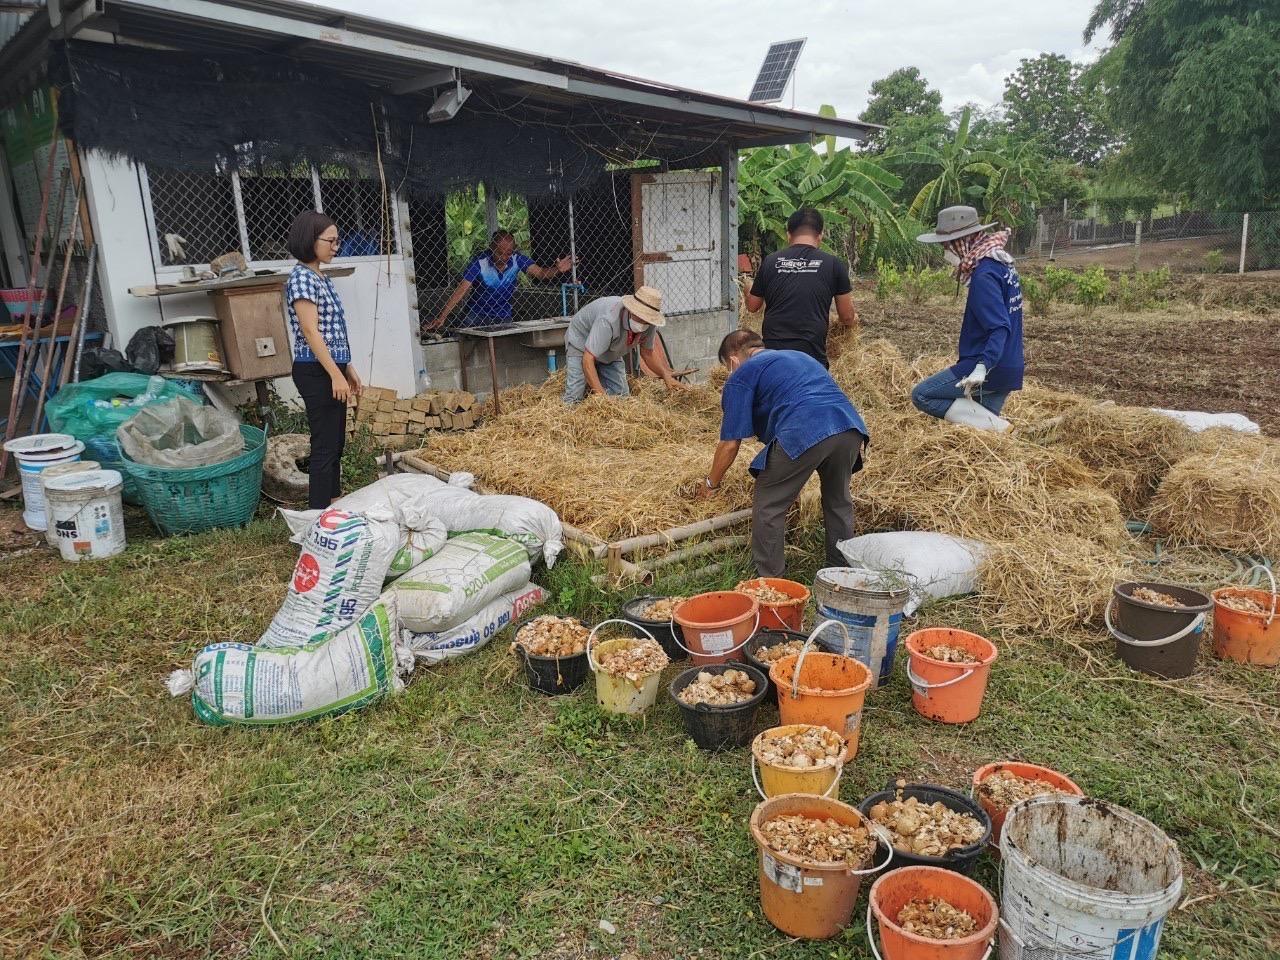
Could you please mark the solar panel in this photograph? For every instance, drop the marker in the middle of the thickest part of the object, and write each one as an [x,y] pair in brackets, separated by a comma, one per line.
[775,72]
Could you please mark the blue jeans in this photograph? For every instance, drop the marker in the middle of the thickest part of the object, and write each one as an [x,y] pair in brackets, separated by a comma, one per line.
[935,395]
[613,377]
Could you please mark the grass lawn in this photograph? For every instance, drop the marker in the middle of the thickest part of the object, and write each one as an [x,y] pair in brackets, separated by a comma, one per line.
[470,817]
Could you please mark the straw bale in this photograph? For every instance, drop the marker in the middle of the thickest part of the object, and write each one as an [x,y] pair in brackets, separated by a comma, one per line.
[1229,499]
[1046,582]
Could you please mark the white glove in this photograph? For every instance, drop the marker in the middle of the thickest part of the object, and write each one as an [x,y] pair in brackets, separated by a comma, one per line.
[975,379]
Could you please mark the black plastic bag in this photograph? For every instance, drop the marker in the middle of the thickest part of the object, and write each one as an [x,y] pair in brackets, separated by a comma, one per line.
[98,362]
[150,348]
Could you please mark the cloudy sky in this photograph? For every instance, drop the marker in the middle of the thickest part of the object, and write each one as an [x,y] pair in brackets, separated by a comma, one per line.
[964,49]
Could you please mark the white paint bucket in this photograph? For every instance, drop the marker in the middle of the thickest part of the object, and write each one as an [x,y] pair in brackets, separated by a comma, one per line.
[34,454]
[60,470]
[86,514]
[1084,879]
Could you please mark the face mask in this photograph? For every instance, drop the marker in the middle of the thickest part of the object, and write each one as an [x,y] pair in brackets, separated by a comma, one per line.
[951,257]
[636,326]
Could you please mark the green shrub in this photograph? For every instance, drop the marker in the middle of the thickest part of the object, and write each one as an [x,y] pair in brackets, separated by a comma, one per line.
[1141,291]
[921,283]
[1056,281]
[1092,288]
[888,280]
[1214,261]
[1036,296]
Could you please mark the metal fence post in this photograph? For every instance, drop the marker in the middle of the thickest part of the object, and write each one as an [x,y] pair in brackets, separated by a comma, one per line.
[1244,241]
[1137,243]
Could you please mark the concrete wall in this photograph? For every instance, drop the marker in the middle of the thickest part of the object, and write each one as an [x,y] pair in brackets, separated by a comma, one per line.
[693,339]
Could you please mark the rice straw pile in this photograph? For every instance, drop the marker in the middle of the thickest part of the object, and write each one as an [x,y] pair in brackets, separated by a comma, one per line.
[1047,509]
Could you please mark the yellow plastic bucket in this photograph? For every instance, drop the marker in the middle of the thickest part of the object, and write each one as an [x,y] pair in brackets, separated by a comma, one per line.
[773,781]
[618,694]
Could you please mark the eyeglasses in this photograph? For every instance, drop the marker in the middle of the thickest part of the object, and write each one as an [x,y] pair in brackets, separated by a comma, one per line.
[332,241]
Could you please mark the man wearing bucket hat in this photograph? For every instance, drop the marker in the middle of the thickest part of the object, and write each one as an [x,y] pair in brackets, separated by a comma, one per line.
[974,390]
[602,333]
[807,425]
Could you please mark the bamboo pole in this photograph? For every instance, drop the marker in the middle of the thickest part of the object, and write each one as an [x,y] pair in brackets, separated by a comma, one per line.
[697,550]
[57,311]
[75,343]
[676,534]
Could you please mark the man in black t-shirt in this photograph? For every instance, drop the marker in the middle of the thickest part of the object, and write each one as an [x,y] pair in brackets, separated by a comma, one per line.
[796,286]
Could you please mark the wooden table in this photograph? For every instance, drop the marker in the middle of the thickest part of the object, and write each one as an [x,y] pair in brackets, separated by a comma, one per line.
[492,333]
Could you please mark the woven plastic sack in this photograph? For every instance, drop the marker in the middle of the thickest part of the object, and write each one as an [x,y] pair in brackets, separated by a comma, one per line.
[935,565]
[235,683]
[181,434]
[339,574]
[474,633]
[470,572]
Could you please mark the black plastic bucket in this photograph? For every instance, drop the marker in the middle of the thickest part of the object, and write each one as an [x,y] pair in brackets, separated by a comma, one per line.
[768,638]
[962,859]
[720,728]
[554,675]
[1161,641]
[664,631]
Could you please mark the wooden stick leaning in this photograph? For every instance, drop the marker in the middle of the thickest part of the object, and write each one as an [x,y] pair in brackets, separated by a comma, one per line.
[57,312]
[31,326]
[75,343]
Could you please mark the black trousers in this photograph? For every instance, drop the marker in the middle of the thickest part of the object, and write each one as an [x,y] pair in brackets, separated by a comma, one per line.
[327,419]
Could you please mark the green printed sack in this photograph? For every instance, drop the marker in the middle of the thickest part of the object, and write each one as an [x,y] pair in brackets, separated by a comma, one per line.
[470,571]
[233,683]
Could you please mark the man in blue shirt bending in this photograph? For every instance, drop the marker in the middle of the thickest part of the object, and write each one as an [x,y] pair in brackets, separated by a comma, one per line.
[791,403]
[973,391]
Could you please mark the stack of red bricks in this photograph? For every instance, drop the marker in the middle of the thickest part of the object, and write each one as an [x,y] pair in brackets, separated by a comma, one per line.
[391,419]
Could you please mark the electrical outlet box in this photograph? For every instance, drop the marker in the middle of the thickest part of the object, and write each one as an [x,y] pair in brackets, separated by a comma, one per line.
[266,346]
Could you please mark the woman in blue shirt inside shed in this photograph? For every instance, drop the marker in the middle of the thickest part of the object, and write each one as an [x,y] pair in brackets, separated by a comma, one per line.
[494,275]
[974,390]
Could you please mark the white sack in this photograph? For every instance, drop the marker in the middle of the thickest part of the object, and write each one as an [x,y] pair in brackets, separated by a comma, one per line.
[1198,421]
[935,565]
[475,632]
[471,571]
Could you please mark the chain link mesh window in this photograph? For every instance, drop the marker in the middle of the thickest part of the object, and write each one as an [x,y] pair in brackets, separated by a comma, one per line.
[271,201]
[356,206]
[198,207]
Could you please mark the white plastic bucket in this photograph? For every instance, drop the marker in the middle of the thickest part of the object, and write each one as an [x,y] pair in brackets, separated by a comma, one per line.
[34,454]
[870,608]
[1084,880]
[59,470]
[86,515]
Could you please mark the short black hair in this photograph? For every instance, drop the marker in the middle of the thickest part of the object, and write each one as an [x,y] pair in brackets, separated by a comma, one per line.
[805,220]
[738,341]
[500,235]
[304,232]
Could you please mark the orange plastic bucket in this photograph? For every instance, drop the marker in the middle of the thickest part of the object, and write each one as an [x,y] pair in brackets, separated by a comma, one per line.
[802,899]
[1028,770]
[784,615]
[948,692]
[1246,637]
[825,689]
[893,891]
[716,626]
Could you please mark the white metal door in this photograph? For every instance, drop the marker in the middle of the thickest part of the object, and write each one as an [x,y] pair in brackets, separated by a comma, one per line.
[676,228]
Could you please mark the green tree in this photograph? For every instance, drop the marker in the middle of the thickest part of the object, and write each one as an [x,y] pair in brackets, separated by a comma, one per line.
[1197,94]
[903,93]
[1047,99]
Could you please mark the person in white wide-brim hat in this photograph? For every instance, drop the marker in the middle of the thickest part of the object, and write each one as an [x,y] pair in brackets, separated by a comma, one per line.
[973,390]
[601,334]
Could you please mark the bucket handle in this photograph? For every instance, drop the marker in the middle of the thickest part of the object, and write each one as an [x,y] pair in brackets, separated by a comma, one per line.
[832,792]
[1191,627]
[887,841]
[875,952]
[592,635]
[703,653]
[922,686]
[795,675]
[1274,594]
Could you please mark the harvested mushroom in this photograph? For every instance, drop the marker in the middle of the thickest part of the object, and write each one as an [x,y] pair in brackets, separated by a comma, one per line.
[765,593]
[925,829]
[1243,604]
[815,841]
[808,749]
[1004,789]
[549,636]
[774,653]
[949,654]
[661,611]
[635,661]
[935,919]
[719,689]
[1155,597]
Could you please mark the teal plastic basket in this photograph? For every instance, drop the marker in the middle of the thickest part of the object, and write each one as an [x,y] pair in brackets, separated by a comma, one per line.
[203,498]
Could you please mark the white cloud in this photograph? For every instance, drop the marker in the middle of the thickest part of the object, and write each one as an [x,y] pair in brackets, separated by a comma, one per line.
[965,51]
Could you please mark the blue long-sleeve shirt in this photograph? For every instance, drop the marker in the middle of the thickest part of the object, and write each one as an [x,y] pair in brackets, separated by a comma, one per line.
[991,333]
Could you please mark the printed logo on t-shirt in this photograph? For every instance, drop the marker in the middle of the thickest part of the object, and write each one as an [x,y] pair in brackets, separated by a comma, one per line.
[796,265]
